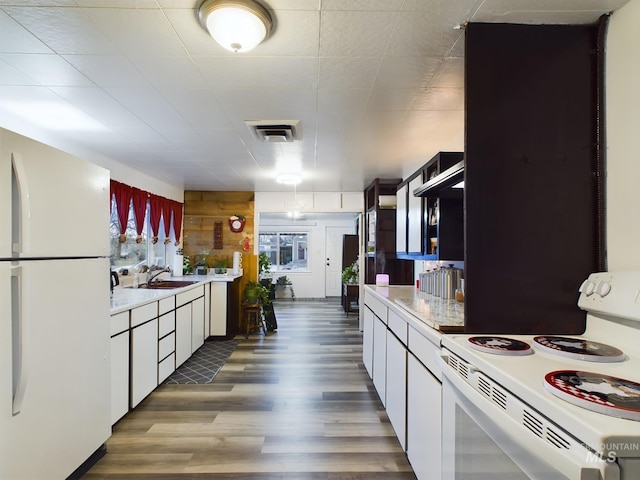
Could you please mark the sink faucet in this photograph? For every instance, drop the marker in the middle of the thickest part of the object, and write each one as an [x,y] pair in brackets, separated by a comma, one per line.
[155,272]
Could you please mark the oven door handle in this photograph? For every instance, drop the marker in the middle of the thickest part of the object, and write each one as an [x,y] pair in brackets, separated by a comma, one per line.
[575,464]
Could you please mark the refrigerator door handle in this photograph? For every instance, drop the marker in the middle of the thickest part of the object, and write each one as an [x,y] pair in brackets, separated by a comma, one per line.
[21,210]
[18,343]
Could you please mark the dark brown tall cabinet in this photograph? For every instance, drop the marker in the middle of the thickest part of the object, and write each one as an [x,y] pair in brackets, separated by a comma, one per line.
[533,175]
[380,234]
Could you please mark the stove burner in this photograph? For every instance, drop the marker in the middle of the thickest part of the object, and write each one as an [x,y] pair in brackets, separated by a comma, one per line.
[500,345]
[580,349]
[599,393]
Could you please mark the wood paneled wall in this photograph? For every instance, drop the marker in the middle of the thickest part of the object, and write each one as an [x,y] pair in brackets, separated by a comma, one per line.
[202,210]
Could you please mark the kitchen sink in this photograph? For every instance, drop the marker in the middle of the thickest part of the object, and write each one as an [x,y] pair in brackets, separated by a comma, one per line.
[166,284]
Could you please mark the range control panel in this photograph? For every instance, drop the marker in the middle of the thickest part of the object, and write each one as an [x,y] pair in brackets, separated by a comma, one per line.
[612,293]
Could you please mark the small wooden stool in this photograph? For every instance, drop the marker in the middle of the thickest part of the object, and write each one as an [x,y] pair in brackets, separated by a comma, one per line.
[254,318]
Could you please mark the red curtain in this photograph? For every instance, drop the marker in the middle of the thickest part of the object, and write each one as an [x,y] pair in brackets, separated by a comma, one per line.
[177,221]
[159,207]
[139,198]
[122,194]
[155,212]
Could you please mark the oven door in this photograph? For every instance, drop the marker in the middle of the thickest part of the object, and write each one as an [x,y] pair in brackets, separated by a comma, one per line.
[481,441]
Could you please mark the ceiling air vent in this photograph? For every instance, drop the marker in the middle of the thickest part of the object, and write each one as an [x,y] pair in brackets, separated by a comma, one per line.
[275,131]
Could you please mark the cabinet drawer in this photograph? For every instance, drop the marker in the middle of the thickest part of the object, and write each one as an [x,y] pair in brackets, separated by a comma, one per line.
[376,306]
[142,314]
[166,367]
[189,295]
[167,324]
[425,351]
[166,346]
[166,304]
[398,326]
[119,323]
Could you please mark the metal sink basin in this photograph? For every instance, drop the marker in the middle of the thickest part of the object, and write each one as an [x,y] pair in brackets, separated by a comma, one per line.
[166,284]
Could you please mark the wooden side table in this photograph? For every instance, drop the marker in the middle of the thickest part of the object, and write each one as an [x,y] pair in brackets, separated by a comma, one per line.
[350,293]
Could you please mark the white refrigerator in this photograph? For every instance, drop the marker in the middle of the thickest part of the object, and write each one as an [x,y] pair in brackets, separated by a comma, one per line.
[54,310]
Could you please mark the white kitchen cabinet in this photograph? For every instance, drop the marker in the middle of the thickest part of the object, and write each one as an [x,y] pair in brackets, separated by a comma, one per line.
[367,340]
[380,358]
[183,334]
[144,360]
[424,428]
[218,309]
[396,388]
[197,323]
[119,365]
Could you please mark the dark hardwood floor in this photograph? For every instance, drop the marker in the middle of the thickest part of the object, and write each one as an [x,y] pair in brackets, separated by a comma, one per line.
[297,404]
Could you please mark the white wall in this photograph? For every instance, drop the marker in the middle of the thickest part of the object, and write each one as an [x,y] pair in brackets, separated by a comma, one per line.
[309,284]
[623,138]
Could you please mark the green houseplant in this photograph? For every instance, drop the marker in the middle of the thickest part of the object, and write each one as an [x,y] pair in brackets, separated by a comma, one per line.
[220,266]
[283,283]
[350,274]
[255,292]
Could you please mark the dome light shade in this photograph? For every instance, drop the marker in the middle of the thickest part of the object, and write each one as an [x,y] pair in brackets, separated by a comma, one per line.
[237,25]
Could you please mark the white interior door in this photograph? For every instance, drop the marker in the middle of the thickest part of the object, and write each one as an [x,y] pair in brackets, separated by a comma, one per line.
[333,259]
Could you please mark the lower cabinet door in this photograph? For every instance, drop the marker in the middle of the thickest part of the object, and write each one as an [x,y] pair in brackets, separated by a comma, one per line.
[397,387]
[380,358]
[144,360]
[119,376]
[197,324]
[424,416]
[367,340]
[183,334]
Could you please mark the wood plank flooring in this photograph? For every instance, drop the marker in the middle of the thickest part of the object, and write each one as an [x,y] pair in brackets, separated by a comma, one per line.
[296,404]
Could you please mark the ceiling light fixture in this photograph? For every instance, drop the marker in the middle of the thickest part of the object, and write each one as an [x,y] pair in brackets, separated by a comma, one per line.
[237,25]
[289,178]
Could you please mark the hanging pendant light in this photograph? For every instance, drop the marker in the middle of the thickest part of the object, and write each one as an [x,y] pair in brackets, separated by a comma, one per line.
[237,25]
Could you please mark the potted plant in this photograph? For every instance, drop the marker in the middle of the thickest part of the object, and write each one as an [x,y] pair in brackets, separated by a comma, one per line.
[254,292]
[264,266]
[350,274]
[282,284]
[220,266]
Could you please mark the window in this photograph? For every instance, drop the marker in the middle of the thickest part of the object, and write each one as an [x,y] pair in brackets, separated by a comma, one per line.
[287,251]
[134,252]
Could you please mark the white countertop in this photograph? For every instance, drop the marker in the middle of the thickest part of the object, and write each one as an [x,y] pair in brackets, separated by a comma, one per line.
[443,315]
[128,298]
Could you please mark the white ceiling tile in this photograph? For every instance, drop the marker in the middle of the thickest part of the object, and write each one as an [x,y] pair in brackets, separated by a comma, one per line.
[9,75]
[149,106]
[137,32]
[355,34]
[429,34]
[296,34]
[199,107]
[362,5]
[407,71]
[545,11]
[386,99]
[17,39]
[108,70]
[279,5]
[64,30]
[169,71]
[47,69]
[440,99]
[96,103]
[348,72]
[449,74]
[258,73]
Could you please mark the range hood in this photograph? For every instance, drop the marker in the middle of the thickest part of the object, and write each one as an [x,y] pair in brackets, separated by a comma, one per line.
[447,179]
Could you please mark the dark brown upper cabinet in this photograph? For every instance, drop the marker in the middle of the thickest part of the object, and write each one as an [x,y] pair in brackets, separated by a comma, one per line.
[534,166]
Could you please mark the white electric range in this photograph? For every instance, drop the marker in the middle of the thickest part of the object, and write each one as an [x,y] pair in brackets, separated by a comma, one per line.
[552,406]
